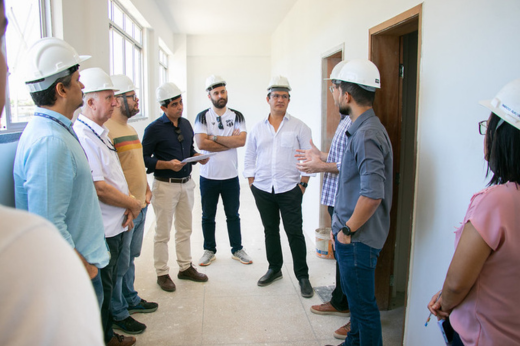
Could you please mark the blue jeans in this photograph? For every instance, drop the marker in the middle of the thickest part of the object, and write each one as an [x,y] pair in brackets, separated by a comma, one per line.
[98,287]
[357,264]
[210,190]
[124,294]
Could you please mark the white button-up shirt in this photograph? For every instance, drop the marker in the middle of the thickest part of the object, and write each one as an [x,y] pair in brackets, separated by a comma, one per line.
[105,165]
[270,155]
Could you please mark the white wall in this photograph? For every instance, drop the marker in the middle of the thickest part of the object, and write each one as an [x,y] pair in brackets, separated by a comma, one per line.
[244,63]
[469,50]
[84,24]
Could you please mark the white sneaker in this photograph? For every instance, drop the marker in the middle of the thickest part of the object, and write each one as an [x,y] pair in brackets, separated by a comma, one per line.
[242,256]
[207,258]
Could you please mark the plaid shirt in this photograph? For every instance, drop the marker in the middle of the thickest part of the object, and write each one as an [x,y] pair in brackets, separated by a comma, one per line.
[337,146]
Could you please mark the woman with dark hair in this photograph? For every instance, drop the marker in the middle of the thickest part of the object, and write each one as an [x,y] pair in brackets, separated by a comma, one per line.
[481,291]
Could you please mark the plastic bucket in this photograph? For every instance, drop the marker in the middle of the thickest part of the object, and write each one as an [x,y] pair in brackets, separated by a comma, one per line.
[323,243]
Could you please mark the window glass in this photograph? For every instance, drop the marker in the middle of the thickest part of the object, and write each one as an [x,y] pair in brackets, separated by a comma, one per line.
[24,29]
[126,50]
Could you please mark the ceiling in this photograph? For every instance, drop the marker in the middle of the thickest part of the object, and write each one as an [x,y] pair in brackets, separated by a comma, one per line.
[225,17]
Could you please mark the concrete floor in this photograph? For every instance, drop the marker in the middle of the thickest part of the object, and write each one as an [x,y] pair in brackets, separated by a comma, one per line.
[230,309]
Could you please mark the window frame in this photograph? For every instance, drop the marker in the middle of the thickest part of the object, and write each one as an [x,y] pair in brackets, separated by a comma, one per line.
[163,66]
[45,30]
[116,29]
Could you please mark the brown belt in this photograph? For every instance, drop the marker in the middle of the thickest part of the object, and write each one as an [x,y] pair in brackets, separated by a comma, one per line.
[174,180]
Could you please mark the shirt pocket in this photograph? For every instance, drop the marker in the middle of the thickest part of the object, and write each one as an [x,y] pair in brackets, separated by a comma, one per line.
[287,139]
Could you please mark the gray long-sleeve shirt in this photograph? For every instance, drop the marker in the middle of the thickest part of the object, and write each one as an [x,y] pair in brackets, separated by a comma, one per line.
[366,170]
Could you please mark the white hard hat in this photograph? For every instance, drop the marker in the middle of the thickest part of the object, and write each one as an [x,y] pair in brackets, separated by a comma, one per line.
[47,60]
[95,79]
[361,72]
[280,83]
[335,71]
[507,103]
[213,80]
[123,83]
[167,91]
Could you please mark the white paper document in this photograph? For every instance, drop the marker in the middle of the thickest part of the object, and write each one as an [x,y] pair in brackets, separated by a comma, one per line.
[197,158]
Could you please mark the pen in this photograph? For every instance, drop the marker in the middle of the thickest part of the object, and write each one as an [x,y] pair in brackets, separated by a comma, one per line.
[430,315]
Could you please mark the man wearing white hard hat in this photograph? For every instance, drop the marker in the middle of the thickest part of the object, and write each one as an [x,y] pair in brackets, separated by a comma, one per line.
[361,218]
[118,207]
[45,289]
[277,184]
[51,172]
[315,161]
[169,154]
[220,130]
[125,299]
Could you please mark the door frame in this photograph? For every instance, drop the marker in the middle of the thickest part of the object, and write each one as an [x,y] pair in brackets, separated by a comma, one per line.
[326,103]
[384,38]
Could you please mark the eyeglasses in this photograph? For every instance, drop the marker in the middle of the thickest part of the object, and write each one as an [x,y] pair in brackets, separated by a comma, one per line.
[133,96]
[180,137]
[220,125]
[482,127]
[331,88]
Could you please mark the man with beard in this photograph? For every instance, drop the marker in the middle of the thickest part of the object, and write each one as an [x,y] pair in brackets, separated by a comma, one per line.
[316,161]
[118,207]
[361,218]
[220,130]
[125,300]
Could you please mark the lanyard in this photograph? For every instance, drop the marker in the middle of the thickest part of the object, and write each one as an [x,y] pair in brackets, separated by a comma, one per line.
[101,139]
[59,122]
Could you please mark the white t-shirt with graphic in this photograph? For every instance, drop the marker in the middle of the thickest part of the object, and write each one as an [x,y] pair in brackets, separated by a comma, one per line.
[223,165]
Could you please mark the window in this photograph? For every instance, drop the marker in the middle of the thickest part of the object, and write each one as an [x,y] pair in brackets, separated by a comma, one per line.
[126,45]
[163,66]
[26,26]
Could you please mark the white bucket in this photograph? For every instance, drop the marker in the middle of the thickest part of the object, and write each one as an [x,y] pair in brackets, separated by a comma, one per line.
[323,243]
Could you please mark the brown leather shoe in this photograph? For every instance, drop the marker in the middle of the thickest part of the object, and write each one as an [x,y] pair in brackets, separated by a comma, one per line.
[121,340]
[342,332]
[166,283]
[192,274]
[328,309]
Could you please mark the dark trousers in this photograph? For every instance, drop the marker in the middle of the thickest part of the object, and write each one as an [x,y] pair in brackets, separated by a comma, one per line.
[289,205]
[210,190]
[108,277]
[339,299]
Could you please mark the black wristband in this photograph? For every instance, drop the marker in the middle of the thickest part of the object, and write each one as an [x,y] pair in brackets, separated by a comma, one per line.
[303,184]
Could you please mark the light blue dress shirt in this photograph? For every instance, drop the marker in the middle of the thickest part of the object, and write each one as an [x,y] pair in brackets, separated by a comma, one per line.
[53,179]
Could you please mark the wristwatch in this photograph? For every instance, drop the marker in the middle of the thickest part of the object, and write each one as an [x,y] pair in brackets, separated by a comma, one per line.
[346,230]
[214,138]
[303,184]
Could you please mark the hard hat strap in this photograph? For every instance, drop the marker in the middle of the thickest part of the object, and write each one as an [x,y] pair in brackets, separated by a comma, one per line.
[127,108]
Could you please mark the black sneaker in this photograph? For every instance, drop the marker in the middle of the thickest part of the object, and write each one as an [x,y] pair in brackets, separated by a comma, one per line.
[143,307]
[129,326]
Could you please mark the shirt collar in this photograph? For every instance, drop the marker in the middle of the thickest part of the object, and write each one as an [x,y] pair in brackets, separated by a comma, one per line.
[167,120]
[100,130]
[359,121]
[54,114]
[286,116]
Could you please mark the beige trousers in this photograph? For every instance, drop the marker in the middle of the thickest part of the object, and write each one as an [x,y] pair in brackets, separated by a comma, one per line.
[169,200]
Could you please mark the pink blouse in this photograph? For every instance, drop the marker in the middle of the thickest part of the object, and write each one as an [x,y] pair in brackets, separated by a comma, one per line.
[490,313]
